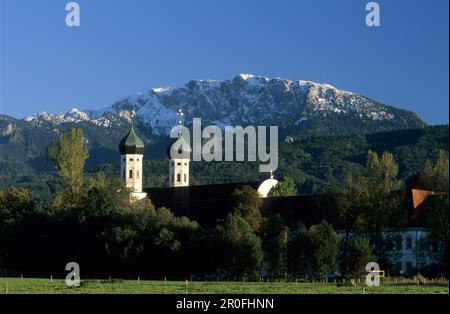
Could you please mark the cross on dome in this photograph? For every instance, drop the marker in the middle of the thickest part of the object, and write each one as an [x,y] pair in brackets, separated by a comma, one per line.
[180,115]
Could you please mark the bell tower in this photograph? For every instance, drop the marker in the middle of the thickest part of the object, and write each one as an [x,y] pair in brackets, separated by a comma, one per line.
[179,166]
[131,159]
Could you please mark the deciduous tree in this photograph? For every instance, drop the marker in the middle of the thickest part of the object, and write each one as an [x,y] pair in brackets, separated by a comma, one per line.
[247,203]
[383,205]
[435,177]
[241,246]
[275,235]
[284,188]
[359,253]
[69,153]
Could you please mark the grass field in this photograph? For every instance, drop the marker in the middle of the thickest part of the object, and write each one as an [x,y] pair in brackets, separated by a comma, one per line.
[57,286]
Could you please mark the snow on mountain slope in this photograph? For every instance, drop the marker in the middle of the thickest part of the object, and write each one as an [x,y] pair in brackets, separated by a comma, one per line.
[244,100]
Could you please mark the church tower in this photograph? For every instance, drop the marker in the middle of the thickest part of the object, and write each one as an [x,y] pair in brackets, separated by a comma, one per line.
[179,167]
[132,154]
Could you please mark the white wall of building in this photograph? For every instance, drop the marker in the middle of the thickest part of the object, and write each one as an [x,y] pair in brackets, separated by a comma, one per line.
[408,254]
[131,171]
[179,172]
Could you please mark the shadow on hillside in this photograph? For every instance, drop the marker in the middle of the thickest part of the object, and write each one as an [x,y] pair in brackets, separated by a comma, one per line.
[96,157]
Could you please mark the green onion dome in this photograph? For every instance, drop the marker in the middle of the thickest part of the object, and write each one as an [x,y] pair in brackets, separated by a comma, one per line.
[132,143]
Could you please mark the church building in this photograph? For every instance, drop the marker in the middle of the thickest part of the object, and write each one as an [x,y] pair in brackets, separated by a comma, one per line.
[178,189]
[208,203]
[131,160]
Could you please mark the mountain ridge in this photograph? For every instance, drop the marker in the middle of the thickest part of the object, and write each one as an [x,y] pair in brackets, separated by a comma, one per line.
[248,99]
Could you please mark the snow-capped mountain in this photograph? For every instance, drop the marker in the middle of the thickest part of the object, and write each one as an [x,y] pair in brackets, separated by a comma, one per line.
[249,100]
[73,115]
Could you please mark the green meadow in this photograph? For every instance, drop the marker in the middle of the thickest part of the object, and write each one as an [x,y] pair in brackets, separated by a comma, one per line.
[57,286]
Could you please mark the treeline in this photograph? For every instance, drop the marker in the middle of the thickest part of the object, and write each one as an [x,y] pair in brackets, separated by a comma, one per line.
[316,164]
[91,221]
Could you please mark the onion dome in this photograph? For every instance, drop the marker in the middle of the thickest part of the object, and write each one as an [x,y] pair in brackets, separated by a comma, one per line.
[180,148]
[132,143]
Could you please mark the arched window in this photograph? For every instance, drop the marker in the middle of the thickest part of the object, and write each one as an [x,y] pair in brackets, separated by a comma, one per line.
[185,178]
[131,174]
[123,175]
[178,177]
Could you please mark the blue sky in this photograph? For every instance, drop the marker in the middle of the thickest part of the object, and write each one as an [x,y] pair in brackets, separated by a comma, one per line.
[128,46]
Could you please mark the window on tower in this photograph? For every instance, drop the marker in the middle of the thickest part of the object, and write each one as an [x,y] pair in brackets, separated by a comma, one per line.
[185,178]
[123,174]
[178,177]
[137,174]
[178,163]
[131,174]
[408,243]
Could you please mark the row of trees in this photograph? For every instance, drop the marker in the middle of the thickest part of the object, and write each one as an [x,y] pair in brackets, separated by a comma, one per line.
[105,235]
[92,222]
[373,204]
